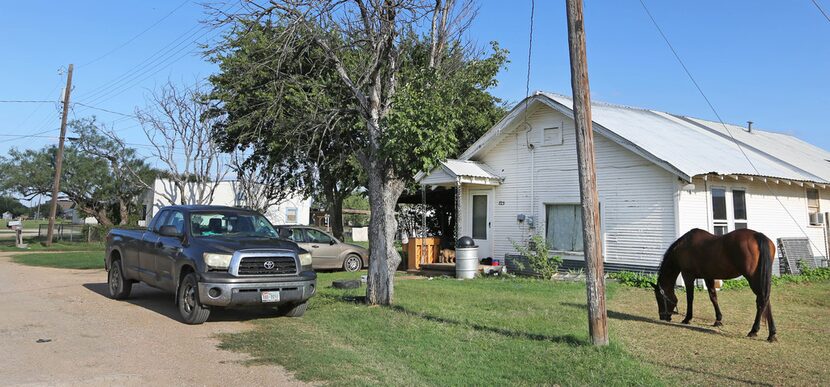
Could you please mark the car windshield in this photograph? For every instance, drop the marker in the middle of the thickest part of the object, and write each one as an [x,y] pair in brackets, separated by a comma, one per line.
[224,224]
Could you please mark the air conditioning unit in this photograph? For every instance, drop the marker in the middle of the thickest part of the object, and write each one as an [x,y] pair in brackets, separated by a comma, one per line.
[816,218]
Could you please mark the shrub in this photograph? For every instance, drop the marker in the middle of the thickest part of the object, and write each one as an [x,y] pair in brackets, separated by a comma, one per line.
[538,256]
[636,280]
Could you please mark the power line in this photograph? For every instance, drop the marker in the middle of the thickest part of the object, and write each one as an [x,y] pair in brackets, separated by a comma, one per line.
[136,36]
[103,110]
[25,101]
[734,140]
[820,9]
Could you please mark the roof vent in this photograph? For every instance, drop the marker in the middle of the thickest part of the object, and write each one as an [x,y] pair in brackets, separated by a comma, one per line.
[749,126]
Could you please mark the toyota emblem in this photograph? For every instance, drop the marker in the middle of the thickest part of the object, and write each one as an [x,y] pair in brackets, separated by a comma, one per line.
[269,265]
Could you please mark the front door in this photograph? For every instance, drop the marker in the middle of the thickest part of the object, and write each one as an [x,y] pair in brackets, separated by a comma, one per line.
[323,248]
[480,221]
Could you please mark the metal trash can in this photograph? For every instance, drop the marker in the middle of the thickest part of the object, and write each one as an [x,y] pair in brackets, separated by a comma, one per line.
[466,258]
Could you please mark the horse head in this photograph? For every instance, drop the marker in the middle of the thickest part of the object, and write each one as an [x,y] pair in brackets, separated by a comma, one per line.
[666,302]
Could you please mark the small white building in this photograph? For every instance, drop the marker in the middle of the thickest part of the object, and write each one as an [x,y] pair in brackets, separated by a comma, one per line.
[293,210]
[658,175]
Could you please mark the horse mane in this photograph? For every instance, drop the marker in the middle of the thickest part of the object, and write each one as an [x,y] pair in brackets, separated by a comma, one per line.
[671,249]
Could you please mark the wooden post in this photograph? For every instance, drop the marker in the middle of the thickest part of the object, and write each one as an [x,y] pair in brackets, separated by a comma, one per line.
[59,159]
[594,271]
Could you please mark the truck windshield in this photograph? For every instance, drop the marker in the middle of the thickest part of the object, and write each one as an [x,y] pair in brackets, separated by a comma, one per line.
[206,224]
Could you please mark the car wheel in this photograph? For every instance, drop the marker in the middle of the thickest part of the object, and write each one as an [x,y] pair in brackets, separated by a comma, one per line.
[293,310]
[352,263]
[119,287]
[191,310]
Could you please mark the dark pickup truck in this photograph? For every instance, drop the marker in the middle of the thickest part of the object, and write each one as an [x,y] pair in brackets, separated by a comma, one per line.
[211,256]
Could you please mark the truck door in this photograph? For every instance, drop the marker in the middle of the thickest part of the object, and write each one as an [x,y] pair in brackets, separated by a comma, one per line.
[167,250]
[148,250]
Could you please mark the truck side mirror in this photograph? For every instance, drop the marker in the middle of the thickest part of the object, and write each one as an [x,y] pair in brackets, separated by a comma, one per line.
[169,231]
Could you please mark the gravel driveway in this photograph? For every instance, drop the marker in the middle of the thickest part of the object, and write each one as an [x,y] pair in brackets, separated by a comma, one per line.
[99,341]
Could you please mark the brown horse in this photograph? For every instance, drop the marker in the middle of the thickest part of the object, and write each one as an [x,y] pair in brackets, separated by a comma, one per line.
[700,254]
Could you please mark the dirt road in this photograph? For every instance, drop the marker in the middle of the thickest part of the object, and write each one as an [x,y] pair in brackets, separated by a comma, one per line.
[99,341]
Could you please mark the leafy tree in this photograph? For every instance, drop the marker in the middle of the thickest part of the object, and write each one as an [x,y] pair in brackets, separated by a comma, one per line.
[389,96]
[100,176]
[12,205]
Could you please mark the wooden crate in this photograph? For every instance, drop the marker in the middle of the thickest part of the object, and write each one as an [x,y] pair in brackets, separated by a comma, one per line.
[431,245]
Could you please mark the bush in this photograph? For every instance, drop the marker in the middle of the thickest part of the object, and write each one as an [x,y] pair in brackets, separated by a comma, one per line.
[636,280]
[538,256]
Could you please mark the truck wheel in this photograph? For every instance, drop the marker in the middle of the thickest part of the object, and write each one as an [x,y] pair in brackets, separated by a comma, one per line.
[352,263]
[293,310]
[188,299]
[119,287]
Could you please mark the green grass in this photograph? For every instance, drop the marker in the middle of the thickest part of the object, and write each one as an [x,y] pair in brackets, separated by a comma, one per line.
[443,332]
[71,260]
[34,245]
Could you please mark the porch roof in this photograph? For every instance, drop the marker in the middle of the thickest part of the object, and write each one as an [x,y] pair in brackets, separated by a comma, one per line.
[451,171]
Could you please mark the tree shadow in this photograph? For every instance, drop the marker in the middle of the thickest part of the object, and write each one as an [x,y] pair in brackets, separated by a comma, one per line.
[697,372]
[632,317]
[562,339]
[163,303]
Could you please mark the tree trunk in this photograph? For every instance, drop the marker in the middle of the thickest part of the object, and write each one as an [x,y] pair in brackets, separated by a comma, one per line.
[335,211]
[123,211]
[384,190]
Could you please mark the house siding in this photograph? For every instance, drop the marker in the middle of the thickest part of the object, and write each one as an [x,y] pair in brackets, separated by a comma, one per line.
[764,212]
[637,197]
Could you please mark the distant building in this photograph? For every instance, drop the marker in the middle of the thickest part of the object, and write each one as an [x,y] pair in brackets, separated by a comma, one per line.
[8,216]
[293,210]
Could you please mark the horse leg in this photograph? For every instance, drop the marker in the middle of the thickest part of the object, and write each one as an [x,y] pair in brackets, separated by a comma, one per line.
[770,324]
[759,310]
[713,296]
[690,296]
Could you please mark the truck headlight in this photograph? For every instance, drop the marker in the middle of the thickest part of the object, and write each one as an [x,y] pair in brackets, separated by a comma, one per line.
[217,261]
[305,259]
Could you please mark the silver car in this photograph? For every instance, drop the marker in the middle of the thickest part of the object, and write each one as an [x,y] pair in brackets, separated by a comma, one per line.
[327,252]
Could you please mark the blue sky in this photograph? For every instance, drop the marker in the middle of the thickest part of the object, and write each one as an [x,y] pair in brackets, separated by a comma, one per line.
[764,61]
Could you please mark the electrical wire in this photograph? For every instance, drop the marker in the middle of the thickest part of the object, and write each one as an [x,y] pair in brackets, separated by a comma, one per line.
[820,9]
[712,107]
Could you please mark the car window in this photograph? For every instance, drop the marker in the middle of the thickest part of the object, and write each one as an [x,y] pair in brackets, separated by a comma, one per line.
[176,219]
[317,236]
[292,234]
[204,224]
[156,223]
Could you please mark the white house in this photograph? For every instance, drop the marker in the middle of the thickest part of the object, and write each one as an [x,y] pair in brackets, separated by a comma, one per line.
[293,210]
[658,175]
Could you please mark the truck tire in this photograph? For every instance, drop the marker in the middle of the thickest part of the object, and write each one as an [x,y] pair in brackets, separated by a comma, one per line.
[352,263]
[293,310]
[187,298]
[118,286]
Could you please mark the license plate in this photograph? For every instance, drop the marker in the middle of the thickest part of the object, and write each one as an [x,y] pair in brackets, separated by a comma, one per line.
[270,296]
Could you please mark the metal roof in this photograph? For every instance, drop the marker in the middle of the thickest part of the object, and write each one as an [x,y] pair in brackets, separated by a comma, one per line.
[689,146]
[451,170]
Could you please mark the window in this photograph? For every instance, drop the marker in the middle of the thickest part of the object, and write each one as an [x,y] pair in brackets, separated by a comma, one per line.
[317,236]
[224,224]
[291,215]
[813,201]
[739,208]
[175,219]
[719,211]
[564,227]
[292,234]
[480,217]
[552,136]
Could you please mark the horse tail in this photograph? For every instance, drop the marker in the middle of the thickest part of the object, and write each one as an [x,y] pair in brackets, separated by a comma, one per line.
[764,264]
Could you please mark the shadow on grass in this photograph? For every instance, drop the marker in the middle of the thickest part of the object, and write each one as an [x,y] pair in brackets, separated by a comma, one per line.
[164,304]
[698,372]
[631,317]
[562,339]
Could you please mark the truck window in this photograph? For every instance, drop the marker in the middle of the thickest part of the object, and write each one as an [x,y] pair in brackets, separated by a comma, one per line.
[206,224]
[156,222]
[175,219]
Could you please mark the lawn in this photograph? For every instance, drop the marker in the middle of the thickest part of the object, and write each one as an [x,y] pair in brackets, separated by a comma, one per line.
[530,332]
[443,332]
[68,260]
[34,245]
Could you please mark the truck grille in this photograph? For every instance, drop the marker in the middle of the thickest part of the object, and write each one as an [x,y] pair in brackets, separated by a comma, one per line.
[261,265]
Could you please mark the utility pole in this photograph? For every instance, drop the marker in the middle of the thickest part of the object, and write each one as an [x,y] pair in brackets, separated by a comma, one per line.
[594,271]
[59,158]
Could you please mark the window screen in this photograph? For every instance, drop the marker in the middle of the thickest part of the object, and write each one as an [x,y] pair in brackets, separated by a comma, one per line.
[812,201]
[480,217]
[739,204]
[290,215]
[564,227]
[718,204]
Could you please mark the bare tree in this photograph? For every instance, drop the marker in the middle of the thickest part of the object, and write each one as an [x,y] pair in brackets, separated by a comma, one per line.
[181,134]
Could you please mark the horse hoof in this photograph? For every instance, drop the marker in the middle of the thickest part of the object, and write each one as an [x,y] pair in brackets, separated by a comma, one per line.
[686,321]
[772,339]
[752,334]
[717,324]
